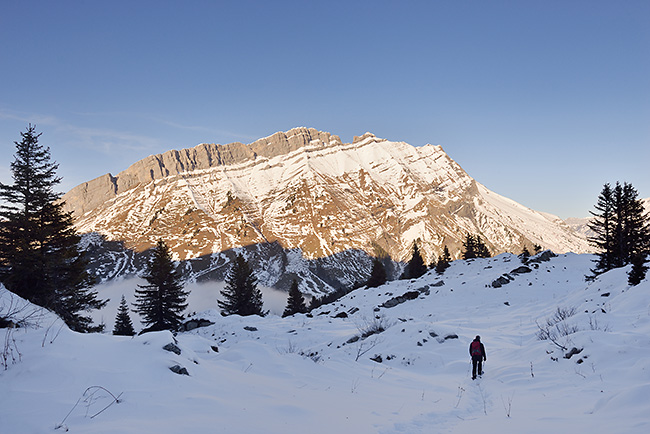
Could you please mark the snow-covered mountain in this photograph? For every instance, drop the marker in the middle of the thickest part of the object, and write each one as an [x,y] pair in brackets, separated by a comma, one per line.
[303,203]
[580,225]
[392,359]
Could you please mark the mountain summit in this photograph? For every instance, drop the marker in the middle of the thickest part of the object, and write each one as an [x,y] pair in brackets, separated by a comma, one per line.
[308,192]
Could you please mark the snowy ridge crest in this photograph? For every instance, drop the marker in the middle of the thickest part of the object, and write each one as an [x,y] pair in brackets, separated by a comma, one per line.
[305,190]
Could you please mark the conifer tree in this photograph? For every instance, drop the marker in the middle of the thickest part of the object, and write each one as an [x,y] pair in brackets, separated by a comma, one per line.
[415,267]
[123,324]
[475,248]
[161,302]
[603,226]
[638,271]
[40,258]
[635,231]
[620,226]
[469,247]
[295,302]
[241,295]
[377,275]
[525,255]
[443,261]
[482,250]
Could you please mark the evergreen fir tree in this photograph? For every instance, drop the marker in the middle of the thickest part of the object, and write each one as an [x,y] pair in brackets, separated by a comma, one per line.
[638,271]
[443,261]
[415,267]
[40,258]
[295,302]
[636,226]
[482,250]
[469,247]
[161,302]
[603,226]
[377,274]
[241,295]
[620,226]
[525,255]
[123,324]
[475,248]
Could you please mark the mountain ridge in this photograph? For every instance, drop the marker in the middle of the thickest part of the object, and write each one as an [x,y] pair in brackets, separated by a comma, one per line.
[174,162]
[311,193]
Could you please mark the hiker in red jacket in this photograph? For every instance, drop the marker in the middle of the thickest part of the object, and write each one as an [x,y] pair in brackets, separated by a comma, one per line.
[477,351]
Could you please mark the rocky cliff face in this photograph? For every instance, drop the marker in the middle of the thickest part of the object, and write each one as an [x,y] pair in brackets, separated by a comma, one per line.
[91,194]
[311,196]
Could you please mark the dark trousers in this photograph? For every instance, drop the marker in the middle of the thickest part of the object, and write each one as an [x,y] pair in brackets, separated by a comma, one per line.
[477,362]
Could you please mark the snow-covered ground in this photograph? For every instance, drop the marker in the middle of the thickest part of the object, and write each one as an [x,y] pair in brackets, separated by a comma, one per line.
[313,374]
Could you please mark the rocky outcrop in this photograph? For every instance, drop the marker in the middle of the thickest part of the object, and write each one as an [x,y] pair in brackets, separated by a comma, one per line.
[195,323]
[87,196]
[178,369]
[172,348]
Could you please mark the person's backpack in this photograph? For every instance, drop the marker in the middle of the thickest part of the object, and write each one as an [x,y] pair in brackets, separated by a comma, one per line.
[475,349]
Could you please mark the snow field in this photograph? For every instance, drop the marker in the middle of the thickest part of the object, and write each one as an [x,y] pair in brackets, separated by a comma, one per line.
[288,375]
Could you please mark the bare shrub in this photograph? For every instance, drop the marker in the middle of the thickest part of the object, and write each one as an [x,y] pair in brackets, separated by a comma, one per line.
[376,325]
[556,327]
[563,313]
[15,313]
[595,325]
[9,353]
[94,399]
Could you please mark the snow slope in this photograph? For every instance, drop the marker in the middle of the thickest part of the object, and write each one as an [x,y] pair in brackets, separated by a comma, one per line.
[314,374]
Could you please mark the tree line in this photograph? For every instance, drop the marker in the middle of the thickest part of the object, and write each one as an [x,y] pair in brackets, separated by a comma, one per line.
[40,259]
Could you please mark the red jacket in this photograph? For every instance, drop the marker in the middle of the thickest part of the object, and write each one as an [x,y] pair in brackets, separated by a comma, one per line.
[482,355]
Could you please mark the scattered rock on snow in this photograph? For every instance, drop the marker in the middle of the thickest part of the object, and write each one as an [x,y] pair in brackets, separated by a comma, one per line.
[6,323]
[521,270]
[178,369]
[410,295]
[172,348]
[572,352]
[502,280]
[545,256]
[353,339]
[194,324]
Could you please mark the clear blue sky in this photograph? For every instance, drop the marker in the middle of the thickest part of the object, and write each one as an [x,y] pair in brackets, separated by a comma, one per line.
[542,102]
